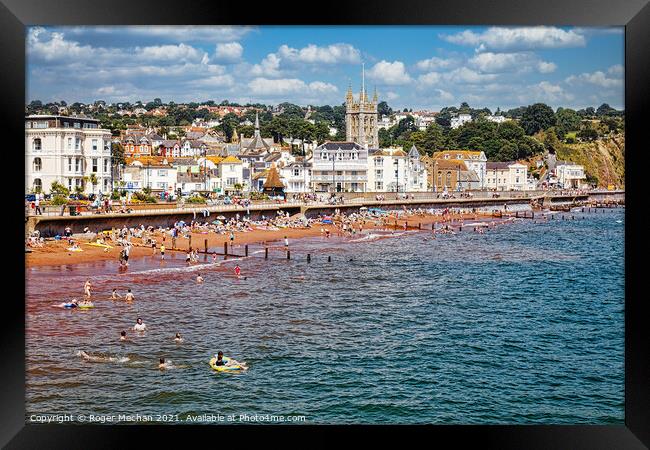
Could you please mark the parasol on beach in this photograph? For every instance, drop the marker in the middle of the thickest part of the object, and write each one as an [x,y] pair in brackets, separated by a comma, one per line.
[180,222]
[216,222]
[363,208]
[221,218]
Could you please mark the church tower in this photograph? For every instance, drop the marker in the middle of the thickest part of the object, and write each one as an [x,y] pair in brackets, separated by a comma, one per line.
[361,117]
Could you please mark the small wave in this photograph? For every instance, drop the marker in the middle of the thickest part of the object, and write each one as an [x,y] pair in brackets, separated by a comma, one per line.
[102,358]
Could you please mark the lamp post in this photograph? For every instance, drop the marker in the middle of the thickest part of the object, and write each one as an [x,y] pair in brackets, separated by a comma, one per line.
[396,163]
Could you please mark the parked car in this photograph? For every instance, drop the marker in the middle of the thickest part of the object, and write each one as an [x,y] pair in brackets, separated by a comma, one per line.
[78,197]
[30,197]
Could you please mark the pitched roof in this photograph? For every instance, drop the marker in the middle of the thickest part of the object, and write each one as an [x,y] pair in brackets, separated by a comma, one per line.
[498,165]
[455,164]
[464,153]
[230,160]
[273,179]
[343,145]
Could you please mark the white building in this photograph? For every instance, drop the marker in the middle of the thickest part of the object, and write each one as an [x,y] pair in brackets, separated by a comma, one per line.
[153,173]
[296,176]
[70,150]
[496,119]
[474,160]
[340,167]
[393,170]
[224,175]
[460,120]
[507,176]
[569,175]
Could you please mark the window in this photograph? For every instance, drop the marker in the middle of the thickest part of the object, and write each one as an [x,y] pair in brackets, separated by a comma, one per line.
[38,185]
[77,164]
[38,164]
[296,172]
[66,124]
[77,143]
[94,144]
[69,143]
[40,124]
[162,173]
[448,179]
[231,181]
[379,161]
[162,185]
[106,165]
[94,164]
[379,185]
[396,173]
[37,144]
[77,125]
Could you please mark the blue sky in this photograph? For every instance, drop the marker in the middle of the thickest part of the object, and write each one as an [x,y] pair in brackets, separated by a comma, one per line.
[420,67]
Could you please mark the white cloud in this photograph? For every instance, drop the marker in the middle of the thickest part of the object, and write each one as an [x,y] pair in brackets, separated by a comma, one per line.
[430,78]
[228,52]
[435,63]
[544,92]
[445,96]
[173,33]
[616,70]
[599,78]
[546,67]
[313,54]
[389,73]
[465,75]
[510,62]
[269,67]
[172,53]
[390,95]
[500,38]
[288,86]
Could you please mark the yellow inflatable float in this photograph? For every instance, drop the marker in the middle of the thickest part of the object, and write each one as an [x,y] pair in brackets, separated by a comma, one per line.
[225,368]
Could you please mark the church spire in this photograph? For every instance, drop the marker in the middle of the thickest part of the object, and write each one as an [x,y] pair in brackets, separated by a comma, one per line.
[362,97]
[374,97]
[349,97]
[257,123]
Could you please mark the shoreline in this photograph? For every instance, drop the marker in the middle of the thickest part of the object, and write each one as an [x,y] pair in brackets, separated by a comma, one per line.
[55,253]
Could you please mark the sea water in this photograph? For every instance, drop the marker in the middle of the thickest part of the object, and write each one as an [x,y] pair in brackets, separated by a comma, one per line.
[523,324]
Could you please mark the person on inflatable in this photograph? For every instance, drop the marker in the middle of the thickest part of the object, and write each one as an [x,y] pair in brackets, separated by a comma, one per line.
[220,359]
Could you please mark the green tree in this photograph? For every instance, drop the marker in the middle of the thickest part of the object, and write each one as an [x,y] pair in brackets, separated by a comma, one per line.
[117,154]
[383,109]
[566,120]
[537,117]
[57,188]
[433,139]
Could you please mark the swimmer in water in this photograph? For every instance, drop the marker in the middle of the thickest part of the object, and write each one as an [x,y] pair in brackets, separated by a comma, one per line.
[87,287]
[115,295]
[129,296]
[123,336]
[237,270]
[162,365]
[139,325]
[214,257]
[178,339]
[199,278]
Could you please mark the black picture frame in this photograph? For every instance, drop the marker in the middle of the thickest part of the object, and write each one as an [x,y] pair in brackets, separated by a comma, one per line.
[15,15]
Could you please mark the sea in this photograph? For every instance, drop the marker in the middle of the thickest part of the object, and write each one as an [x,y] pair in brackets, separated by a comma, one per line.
[521,324]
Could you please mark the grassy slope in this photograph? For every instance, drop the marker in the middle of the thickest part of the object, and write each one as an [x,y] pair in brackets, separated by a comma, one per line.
[604,159]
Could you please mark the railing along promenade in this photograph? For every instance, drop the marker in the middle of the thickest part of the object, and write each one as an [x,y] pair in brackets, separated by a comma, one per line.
[348,199]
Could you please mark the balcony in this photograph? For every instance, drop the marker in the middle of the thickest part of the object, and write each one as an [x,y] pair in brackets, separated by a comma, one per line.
[339,178]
